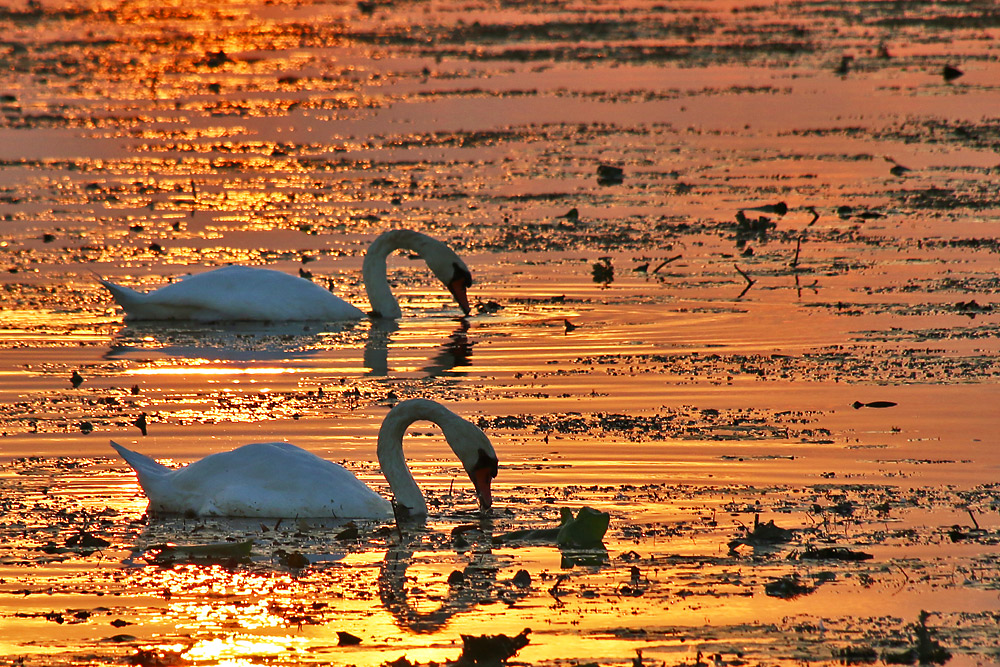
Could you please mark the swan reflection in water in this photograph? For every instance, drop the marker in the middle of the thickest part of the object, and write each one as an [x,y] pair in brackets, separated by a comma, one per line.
[256,342]
[475,584]
[316,543]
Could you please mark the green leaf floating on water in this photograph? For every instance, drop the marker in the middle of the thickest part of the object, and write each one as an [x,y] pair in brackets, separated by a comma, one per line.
[586,529]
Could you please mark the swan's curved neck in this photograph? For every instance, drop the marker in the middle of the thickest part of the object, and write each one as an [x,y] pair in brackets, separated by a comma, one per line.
[390,449]
[373,269]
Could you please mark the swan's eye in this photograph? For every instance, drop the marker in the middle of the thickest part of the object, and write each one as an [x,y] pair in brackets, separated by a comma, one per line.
[461,275]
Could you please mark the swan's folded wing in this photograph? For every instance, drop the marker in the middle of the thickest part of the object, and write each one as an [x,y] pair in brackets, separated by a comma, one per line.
[242,293]
[275,480]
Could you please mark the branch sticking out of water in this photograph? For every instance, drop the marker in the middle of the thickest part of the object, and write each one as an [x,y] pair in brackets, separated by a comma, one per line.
[666,261]
[750,281]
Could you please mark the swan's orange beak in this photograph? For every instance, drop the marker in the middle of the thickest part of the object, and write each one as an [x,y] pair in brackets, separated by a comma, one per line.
[482,479]
[457,287]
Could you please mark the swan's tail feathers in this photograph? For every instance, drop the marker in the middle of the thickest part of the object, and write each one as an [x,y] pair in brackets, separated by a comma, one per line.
[126,297]
[146,469]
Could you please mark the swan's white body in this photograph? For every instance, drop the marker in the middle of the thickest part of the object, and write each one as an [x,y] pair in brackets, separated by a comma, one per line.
[281,480]
[242,293]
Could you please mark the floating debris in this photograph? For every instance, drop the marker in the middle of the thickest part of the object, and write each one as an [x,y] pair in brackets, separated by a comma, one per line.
[216,552]
[798,248]
[668,260]
[86,541]
[815,215]
[216,59]
[787,588]
[610,175]
[153,657]
[853,655]
[602,271]
[586,529]
[972,308]
[926,651]
[857,405]
[780,208]
[950,73]
[747,228]
[292,559]
[350,532]
[898,169]
[762,535]
[491,649]
[141,423]
[488,307]
[572,215]
[347,639]
[834,553]
[76,379]
[750,281]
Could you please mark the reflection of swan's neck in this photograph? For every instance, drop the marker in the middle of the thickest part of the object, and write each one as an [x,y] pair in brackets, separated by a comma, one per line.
[373,270]
[390,449]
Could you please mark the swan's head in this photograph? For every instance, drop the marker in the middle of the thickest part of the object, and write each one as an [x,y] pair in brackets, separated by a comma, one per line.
[450,270]
[478,458]
[466,440]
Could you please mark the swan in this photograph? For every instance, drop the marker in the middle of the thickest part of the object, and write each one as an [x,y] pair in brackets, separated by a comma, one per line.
[244,293]
[277,479]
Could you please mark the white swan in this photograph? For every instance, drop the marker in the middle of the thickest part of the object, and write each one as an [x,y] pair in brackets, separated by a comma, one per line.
[281,480]
[238,293]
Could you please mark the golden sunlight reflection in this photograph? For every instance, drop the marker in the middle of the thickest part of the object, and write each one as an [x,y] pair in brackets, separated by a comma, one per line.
[242,651]
[210,370]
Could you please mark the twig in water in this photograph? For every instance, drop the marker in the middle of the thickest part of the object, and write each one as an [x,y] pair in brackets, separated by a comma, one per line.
[973,517]
[750,281]
[554,591]
[815,214]
[667,261]
[798,247]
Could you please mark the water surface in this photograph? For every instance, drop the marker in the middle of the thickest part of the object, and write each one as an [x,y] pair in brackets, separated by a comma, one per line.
[707,376]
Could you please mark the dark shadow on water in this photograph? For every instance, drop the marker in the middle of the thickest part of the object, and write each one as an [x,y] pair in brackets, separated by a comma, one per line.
[472,585]
[450,355]
[232,342]
[257,342]
[317,538]
[453,354]
[376,355]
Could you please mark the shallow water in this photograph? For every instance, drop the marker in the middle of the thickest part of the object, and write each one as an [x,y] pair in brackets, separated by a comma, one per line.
[710,377]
